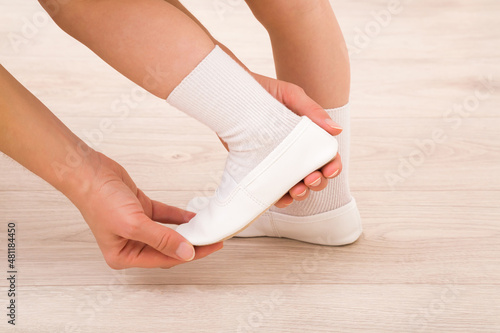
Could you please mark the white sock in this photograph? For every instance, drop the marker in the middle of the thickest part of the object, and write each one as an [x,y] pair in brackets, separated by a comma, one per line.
[337,193]
[222,95]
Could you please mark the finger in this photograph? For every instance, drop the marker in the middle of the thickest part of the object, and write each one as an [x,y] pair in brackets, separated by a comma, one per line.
[297,100]
[224,143]
[148,257]
[169,214]
[285,201]
[203,251]
[160,212]
[315,181]
[299,192]
[161,238]
[332,169]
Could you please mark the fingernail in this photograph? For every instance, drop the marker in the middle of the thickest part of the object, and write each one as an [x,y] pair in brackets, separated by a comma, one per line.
[303,193]
[333,174]
[316,182]
[185,251]
[332,124]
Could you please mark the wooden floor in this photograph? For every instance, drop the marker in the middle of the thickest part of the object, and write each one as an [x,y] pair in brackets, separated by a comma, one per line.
[425,172]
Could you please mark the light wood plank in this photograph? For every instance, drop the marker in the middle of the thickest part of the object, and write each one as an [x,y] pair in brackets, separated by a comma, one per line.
[262,308]
[181,154]
[431,237]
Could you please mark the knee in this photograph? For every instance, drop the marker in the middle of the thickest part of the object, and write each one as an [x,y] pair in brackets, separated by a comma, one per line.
[278,14]
[64,12]
[57,8]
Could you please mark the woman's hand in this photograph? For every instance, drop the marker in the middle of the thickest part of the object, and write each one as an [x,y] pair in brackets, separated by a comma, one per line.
[124,222]
[122,218]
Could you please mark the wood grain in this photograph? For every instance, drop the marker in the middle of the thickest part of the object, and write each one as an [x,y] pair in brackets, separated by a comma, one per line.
[429,256]
[266,308]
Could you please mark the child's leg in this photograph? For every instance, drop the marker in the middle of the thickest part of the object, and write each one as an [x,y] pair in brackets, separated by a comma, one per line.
[149,41]
[308,46]
[310,51]
[323,71]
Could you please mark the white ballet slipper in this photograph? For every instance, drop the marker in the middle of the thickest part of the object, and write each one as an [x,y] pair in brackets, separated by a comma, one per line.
[235,205]
[337,227]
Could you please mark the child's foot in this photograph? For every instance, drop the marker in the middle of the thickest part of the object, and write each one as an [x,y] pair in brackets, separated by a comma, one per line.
[264,138]
[329,217]
[237,204]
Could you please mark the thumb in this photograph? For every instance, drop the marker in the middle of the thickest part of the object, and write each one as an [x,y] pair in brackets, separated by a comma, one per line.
[165,240]
[295,98]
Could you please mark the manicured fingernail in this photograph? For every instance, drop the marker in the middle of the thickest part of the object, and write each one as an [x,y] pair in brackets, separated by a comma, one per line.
[302,194]
[332,124]
[185,251]
[333,174]
[316,182]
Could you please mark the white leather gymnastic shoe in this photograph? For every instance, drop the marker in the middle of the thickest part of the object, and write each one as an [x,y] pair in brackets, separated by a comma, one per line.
[337,227]
[235,205]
